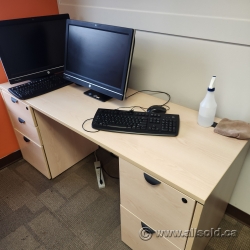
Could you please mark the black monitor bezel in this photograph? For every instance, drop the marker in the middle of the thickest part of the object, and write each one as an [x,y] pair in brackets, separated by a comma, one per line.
[118,93]
[34,73]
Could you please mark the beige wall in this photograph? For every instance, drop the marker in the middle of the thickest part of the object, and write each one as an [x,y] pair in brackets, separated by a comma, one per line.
[179,46]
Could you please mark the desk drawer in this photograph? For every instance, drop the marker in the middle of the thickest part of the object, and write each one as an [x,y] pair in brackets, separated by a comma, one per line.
[161,206]
[131,230]
[19,108]
[25,128]
[33,153]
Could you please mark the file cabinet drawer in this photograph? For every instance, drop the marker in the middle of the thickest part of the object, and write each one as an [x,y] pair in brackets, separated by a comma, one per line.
[25,128]
[33,153]
[131,232]
[19,108]
[159,205]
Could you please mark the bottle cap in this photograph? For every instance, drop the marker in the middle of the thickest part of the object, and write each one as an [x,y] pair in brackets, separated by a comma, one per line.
[211,85]
[211,90]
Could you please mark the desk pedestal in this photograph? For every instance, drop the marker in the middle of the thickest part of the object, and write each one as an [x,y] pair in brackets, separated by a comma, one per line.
[63,147]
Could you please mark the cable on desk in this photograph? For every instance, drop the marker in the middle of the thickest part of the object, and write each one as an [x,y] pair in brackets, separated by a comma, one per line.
[154,91]
[94,131]
[133,107]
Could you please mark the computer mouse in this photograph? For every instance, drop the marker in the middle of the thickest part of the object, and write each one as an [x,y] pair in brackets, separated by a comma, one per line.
[156,109]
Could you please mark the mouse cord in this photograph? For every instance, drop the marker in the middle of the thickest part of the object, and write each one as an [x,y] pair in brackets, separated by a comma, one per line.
[154,91]
[132,108]
[93,131]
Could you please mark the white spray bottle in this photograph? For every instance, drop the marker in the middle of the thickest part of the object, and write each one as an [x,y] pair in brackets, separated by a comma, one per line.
[208,107]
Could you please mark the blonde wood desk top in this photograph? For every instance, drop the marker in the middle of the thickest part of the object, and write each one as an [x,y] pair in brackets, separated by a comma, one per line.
[193,162]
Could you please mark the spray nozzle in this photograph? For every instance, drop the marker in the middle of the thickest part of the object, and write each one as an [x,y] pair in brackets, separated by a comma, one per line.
[211,85]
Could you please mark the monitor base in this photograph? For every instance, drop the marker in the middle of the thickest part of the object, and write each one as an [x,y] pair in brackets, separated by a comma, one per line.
[97,95]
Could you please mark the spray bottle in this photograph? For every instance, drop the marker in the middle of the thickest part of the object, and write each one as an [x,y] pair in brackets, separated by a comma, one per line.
[208,107]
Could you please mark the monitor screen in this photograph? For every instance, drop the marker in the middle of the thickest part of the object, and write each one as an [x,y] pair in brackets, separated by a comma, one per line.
[32,47]
[98,56]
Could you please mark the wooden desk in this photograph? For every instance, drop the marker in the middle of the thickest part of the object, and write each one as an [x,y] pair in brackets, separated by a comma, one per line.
[198,164]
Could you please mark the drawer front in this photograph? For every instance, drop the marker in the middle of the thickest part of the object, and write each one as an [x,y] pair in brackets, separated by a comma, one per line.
[159,205]
[25,128]
[33,153]
[131,231]
[19,108]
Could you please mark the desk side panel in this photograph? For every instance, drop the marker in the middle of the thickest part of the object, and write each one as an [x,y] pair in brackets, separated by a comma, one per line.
[63,147]
[216,204]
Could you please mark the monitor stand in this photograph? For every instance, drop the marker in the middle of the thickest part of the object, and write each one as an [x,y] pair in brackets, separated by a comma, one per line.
[97,95]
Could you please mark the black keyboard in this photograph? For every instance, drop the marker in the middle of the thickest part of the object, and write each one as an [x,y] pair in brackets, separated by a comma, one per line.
[136,122]
[39,86]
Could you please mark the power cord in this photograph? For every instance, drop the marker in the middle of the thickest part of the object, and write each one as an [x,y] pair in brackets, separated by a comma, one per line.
[101,182]
[114,177]
[99,175]
[132,108]
[153,91]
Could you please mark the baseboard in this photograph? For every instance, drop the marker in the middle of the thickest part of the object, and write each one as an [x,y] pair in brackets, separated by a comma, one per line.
[7,160]
[239,215]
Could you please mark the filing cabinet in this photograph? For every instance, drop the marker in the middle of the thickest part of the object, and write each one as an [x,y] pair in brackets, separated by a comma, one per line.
[27,133]
[47,145]
[154,203]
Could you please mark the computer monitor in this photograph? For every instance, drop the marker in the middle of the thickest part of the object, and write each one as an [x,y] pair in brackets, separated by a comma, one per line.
[99,56]
[32,47]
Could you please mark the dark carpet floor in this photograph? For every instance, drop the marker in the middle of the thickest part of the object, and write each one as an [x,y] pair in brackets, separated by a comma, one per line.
[70,212]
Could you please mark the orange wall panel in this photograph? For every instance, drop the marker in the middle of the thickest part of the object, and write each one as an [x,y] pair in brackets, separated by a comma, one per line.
[8,142]
[3,77]
[10,9]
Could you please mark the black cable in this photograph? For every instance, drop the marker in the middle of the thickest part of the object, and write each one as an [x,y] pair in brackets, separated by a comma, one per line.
[154,91]
[104,168]
[94,131]
[101,175]
[132,108]
[114,177]
[95,154]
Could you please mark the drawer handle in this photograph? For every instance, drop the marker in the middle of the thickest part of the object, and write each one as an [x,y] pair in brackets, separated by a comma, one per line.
[147,228]
[184,200]
[21,120]
[14,100]
[151,180]
[26,139]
